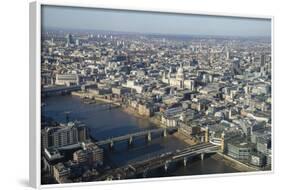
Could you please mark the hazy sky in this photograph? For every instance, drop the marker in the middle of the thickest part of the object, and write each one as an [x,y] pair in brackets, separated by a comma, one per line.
[131,21]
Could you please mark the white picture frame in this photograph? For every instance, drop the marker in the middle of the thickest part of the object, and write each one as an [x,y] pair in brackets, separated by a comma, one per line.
[35,89]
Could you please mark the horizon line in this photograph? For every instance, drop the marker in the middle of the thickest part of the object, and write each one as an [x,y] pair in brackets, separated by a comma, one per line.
[153,33]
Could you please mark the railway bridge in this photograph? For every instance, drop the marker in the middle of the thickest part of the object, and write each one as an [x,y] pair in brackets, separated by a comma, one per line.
[59,90]
[163,160]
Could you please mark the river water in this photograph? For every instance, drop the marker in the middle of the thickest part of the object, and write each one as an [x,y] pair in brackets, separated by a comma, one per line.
[105,123]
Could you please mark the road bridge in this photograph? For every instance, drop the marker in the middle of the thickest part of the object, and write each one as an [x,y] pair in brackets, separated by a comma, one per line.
[130,137]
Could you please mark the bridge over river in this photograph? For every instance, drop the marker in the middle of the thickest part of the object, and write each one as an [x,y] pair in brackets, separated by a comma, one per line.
[130,137]
[59,90]
[163,160]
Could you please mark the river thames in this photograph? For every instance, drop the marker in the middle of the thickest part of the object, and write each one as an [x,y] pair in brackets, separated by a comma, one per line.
[105,123]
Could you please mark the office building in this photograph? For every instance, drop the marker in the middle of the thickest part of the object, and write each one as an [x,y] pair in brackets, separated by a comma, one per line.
[89,155]
[63,135]
[239,150]
[67,79]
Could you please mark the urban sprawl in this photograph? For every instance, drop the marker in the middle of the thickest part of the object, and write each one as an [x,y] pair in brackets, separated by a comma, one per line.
[212,92]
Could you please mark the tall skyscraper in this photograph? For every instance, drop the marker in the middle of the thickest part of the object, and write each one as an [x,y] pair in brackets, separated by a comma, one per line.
[77,42]
[227,55]
[236,67]
[69,39]
[263,60]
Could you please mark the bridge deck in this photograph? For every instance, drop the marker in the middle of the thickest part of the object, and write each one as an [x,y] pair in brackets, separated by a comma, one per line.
[60,88]
[126,137]
[159,160]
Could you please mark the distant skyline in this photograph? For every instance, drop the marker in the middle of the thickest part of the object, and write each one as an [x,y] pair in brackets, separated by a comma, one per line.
[149,22]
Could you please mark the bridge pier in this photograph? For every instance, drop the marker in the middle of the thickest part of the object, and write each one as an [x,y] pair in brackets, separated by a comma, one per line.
[130,141]
[202,156]
[145,172]
[184,161]
[166,166]
[149,136]
[165,133]
[111,144]
[118,176]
